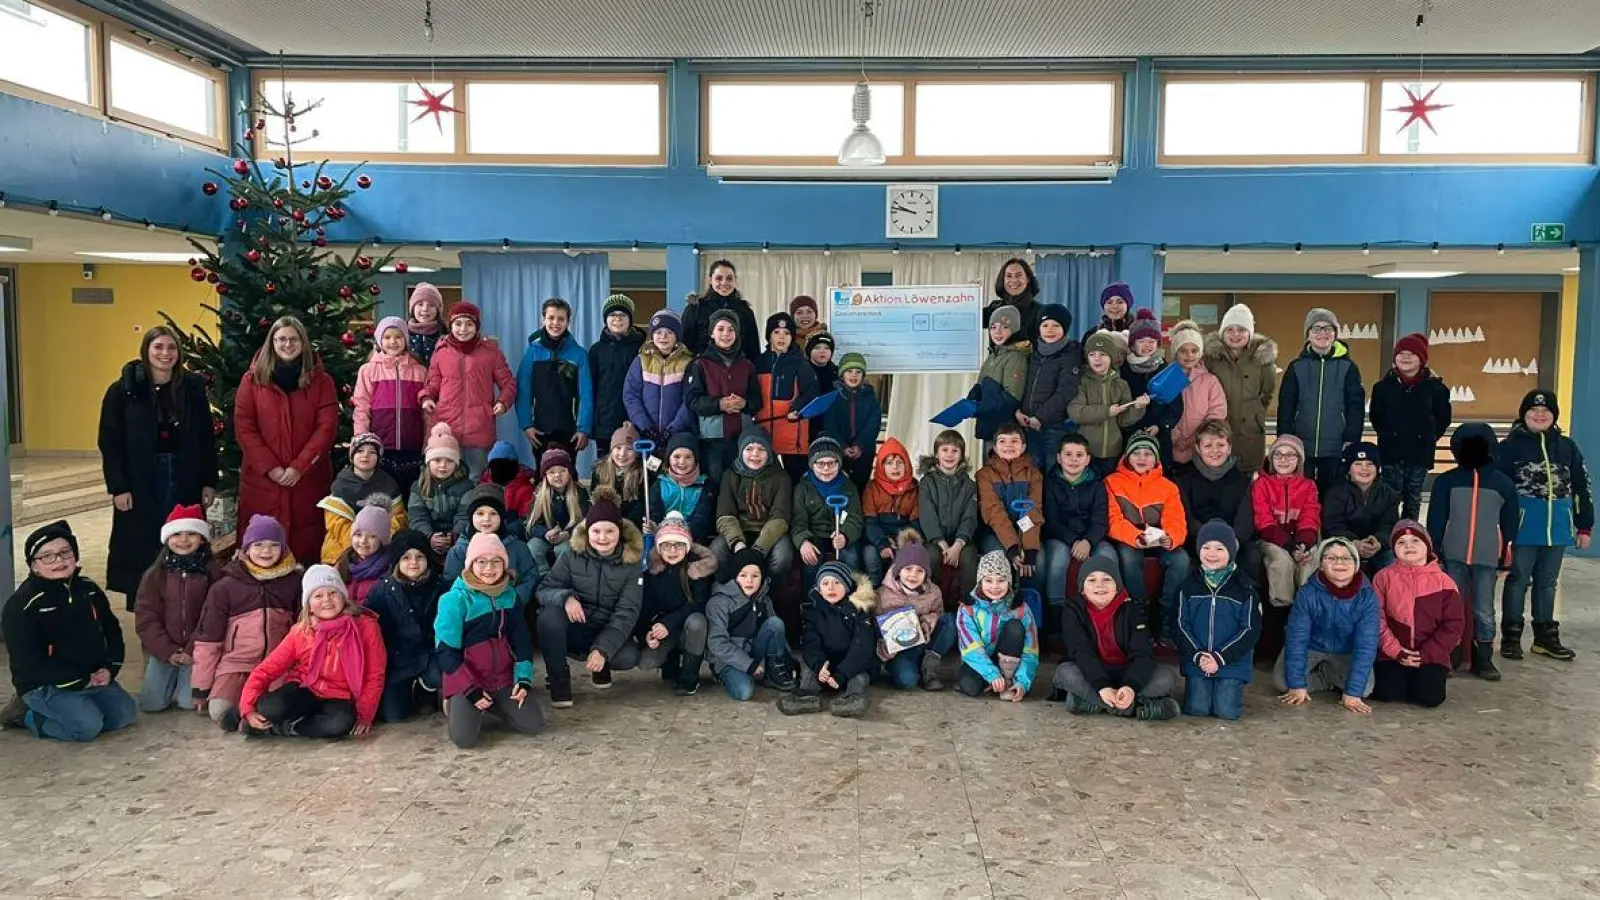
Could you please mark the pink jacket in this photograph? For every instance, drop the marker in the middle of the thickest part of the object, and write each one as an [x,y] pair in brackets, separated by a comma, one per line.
[291,661]
[386,401]
[463,385]
[1203,399]
[242,621]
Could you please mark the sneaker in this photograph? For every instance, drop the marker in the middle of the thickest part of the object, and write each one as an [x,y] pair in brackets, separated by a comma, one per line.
[687,688]
[850,706]
[561,694]
[602,679]
[795,703]
[1082,706]
[14,713]
[1155,710]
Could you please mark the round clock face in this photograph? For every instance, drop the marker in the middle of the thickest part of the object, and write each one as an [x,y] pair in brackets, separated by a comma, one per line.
[911,212]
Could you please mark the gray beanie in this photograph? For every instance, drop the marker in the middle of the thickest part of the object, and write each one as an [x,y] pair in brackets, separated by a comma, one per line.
[1097,563]
[1320,316]
[1009,315]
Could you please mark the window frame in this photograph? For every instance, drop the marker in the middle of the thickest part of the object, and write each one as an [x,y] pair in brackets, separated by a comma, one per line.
[458,82]
[909,83]
[219,95]
[1372,122]
[97,64]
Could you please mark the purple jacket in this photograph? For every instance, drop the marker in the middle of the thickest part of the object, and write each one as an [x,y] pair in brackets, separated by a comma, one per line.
[653,391]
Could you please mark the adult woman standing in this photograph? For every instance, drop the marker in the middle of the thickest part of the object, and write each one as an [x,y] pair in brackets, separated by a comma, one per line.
[1017,286]
[286,416]
[156,452]
[721,293]
[1247,365]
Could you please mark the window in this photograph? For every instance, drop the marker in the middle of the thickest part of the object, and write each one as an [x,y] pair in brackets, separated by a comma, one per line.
[45,51]
[1511,116]
[1287,118]
[150,87]
[935,120]
[362,117]
[568,120]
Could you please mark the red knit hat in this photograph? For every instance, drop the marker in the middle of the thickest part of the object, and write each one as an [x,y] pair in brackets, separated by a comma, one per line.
[186,518]
[469,310]
[1413,343]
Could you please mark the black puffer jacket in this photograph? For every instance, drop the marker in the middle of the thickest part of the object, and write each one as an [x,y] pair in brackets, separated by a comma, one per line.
[1348,512]
[609,359]
[1410,418]
[1225,497]
[609,588]
[697,322]
[1052,381]
[58,633]
[841,635]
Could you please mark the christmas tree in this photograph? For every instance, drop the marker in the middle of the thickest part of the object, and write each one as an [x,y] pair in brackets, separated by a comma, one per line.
[275,263]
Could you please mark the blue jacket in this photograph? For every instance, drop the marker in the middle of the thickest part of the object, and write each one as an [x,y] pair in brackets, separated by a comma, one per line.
[1226,622]
[1552,486]
[1322,622]
[697,503]
[854,419]
[1472,512]
[558,380]
[1074,512]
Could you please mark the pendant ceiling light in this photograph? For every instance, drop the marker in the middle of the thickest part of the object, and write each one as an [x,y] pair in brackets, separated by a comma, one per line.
[861,147]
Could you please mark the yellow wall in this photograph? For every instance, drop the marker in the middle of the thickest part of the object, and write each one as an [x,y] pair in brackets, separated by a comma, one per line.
[71,353]
[1568,339]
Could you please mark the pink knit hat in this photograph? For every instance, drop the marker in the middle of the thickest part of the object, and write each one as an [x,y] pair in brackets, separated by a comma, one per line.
[425,293]
[674,528]
[485,544]
[442,444]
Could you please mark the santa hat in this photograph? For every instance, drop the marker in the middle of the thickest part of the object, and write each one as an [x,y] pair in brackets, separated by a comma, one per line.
[186,518]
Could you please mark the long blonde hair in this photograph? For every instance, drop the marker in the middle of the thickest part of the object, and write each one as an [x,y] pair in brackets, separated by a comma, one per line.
[544,500]
[632,486]
[308,622]
[267,358]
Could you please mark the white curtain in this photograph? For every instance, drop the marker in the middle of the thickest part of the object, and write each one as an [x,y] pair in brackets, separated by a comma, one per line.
[769,281]
[917,398]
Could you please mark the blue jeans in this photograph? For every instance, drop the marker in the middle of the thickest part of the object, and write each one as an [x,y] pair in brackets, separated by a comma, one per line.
[1176,566]
[1477,583]
[1043,444]
[905,668]
[1407,479]
[1220,697]
[1536,566]
[164,685]
[1057,563]
[769,641]
[78,715]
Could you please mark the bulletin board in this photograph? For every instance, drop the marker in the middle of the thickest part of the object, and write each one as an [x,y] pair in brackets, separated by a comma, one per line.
[1361,317]
[1487,347]
[1204,309]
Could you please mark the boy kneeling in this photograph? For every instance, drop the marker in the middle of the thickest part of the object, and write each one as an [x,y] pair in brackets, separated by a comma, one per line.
[838,646]
[1110,667]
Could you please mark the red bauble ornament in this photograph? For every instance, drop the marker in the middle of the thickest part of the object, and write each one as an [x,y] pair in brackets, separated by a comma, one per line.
[320,232]
[347,339]
[322,307]
[346,292]
[193,261]
[254,256]
[320,242]
[260,124]
[324,182]
[1418,108]
[335,213]
[272,287]
[264,323]
[197,273]
[209,188]
[212,277]
[363,262]
[374,290]
[216,427]
[402,266]
[250,135]
[347,389]
[222,290]
[263,242]
[241,167]
[238,204]
[277,203]
[298,215]
[363,182]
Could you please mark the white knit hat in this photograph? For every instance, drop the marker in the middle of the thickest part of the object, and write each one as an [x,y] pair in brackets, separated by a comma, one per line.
[320,576]
[1186,332]
[1240,315]
[186,518]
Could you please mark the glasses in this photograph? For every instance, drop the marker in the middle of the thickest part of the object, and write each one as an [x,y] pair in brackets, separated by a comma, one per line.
[60,556]
[1338,559]
[1286,454]
[488,562]
[1323,329]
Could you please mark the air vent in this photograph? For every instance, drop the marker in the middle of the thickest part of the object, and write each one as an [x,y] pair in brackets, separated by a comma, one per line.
[92,296]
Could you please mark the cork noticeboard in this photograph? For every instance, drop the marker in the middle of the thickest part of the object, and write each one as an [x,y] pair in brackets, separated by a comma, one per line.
[1486,346]
[1282,317]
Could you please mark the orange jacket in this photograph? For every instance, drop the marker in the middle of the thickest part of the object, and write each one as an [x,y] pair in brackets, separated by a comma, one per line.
[1136,501]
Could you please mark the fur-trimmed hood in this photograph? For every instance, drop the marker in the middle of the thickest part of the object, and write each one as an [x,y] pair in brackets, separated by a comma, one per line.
[632,541]
[701,562]
[1262,350]
[863,597]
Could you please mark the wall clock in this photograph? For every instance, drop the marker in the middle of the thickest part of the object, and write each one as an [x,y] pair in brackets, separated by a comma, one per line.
[912,210]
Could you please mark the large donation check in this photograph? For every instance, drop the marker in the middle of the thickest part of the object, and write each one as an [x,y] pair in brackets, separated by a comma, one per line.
[909,330]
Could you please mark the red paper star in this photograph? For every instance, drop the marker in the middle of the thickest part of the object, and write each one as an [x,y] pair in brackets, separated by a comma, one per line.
[434,105]
[1417,110]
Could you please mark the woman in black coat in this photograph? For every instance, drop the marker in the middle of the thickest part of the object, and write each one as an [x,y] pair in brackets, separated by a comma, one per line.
[157,450]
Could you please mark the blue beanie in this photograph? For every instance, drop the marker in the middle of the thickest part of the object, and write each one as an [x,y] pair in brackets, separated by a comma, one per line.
[502,450]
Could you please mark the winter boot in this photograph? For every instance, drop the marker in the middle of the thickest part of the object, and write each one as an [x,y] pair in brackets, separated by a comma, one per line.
[688,677]
[12,715]
[1008,666]
[930,671]
[1483,661]
[602,678]
[672,666]
[804,699]
[853,703]
[560,694]
[1547,641]
[229,720]
[1155,709]
[1084,706]
[780,673]
[1511,639]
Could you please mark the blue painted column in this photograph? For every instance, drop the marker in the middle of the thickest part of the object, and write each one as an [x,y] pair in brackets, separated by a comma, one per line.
[683,274]
[1411,308]
[1580,419]
[7,564]
[1143,270]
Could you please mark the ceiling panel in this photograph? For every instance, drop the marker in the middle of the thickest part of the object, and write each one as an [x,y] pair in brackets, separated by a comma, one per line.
[923,29]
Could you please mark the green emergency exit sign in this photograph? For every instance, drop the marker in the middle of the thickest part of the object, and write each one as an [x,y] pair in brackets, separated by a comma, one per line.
[1549,233]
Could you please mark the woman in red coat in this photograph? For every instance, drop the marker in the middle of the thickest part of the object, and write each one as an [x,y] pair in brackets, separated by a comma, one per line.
[286,415]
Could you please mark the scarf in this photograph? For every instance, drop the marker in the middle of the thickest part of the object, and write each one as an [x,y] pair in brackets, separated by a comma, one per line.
[188,563]
[483,587]
[345,639]
[465,348]
[1413,380]
[285,566]
[372,568]
[1104,622]
[1213,473]
[553,344]
[1216,578]
[684,480]
[828,488]
[416,327]
[725,357]
[286,375]
[1145,365]
[1049,348]
[1122,324]
[1341,593]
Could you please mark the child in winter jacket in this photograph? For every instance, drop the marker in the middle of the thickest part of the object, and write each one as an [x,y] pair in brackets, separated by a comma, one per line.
[1004,374]
[248,611]
[723,394]
[947,507]
[745,640]
[1421,624]
[837,645]
[1246,364]
[622,470]
[1410,411]
[386,403]
[406,603]
[653,393]
[1219,620]
[890,505]
[679,487]
[1288,518]
[610,359]
[1472,517]
[997,634]
[1104,405]
[1053,373]
[1212,486]
[821,533]
[590,601]
[1362,508]
[672,622]
[1008,482]
[330,667]
[555,393]
[360,484]
[435,505]
[515,480]
[1202,400]
[558,505]
[1146,358]
[1110,667]
[1321,400]
[854,419]
[819,351]
[909,584]
[1557,512]
[367,561]
[1076,520]
[466,370]
[65,645]
[167,608]
[485,513]
[425,310]
[787,385]
[1145,518]
[756,505]
[1331,641]
[484,649]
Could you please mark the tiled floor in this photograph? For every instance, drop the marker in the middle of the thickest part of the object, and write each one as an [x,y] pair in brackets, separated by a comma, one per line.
[639,793]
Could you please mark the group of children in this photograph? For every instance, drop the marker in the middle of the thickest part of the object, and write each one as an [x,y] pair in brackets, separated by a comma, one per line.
[445,556]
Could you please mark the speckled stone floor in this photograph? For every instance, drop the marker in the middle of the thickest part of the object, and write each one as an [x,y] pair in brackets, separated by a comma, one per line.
[637,793]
